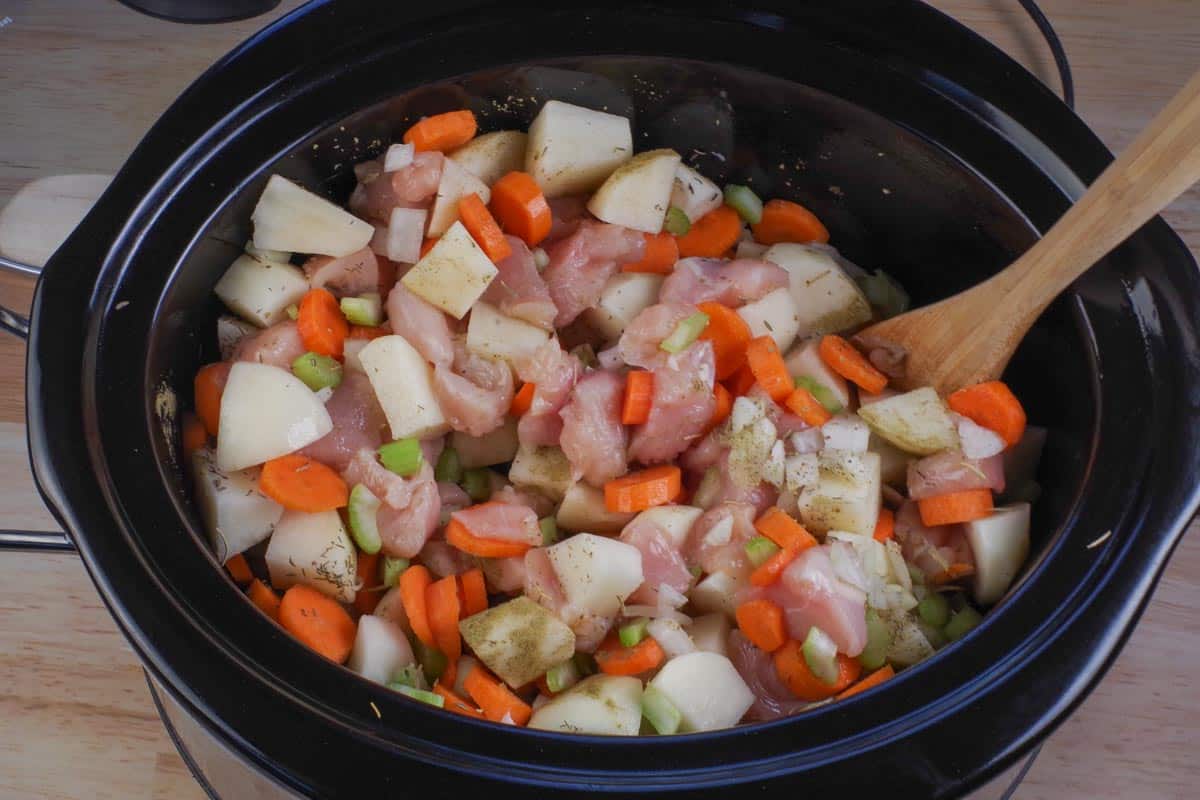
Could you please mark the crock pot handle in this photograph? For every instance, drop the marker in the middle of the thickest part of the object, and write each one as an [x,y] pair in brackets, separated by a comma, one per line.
[11,321]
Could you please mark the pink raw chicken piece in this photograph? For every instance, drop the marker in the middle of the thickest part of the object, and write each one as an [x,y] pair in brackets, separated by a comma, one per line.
[404,531]
[358,422]
[683,404]
[542,586]
[593,437]
[553,372]
[930,549]
[390,488]
[411,187]
[703,454]
[355,274]
[278,345]
[453,497]
[720,551]
[583,262]
[424,327]
[505,521]
[662,563]
[475,394]
[772,700]
[542,506]
[761,496]
[950,471]
[566,213]
[730,283]
[506,575]
[443,559]
[639,344]
[518,289]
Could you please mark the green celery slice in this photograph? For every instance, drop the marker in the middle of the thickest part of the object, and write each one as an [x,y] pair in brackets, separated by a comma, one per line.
[402,457]
[477,484]
[745,202]
[632,633]
[676,222]
[365,310]
[962,623]
[820,653]
[411,676]
[759,549]
[879,639]
[449,467]
[823,393]
[660,712]
[934,610]
[362,509]
[317,371]
[549,530]
[390,569]
[563,676]
[685,333]
[420,694]
[433,661]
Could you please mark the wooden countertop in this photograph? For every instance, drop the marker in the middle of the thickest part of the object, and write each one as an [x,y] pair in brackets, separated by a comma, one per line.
[82,80]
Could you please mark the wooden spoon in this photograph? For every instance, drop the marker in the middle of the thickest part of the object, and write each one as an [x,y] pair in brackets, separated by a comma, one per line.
[971,336]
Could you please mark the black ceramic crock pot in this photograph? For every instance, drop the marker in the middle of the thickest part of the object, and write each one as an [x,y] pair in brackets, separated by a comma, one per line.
[925,150]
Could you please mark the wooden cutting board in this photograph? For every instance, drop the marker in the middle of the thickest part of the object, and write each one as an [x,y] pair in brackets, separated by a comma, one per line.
[82,80]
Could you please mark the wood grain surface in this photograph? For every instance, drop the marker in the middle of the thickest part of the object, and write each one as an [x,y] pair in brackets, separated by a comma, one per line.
[82,80]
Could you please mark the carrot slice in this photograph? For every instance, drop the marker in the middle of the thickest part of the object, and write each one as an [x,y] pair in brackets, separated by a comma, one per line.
[798,678]
[723,407]
[317,621]
[778,526]
[762,623]
[239,570]
[770,570]
[613,658]
[785,221]
[521,208]
[992,405]
[442,131]
[729,334]
[711,235]
[741,382]
[456,704]
[522,400]
[952,573]
[662,251]
[264,597]
[298,483]
[208,387]
[366,599]
[638,491]
[496,699]
[949,509]
[639,397]
[441,609]
[323,329]
[367,332]
[413,583]
[483,228]
[762,355]
[841,357]
[874,679]
[474,592]
[808,408]
[194,435]
[885,525]
[458,536]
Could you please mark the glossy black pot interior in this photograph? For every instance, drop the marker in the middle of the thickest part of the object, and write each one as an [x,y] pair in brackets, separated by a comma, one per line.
[925,151]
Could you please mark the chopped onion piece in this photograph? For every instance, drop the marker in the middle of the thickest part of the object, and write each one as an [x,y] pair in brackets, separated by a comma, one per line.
[846,432]
[810,440]
[772,471]
[801,470]
[977,441]
[669,597]
[744,414]
[719,534]
[406,232]
[673,639]
[398,157]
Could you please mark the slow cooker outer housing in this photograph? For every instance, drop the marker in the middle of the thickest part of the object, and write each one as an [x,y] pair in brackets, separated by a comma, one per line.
[117,334]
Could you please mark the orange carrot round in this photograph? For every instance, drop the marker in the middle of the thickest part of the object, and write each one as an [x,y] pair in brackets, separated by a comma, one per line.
[209,386]
[952,573]
[741,382]
[264,597]
[885,525]
[729,334]
[785,221]
[522,400]
[638,491]
[298,483]
[842,357]
[474,592]
[615,659]
[724,405]
[798,678]
[769,571]
[766,364]
[483,228]
[323,329]
[428,243]
[521,208]
[762,623]
[711,235]
[441,609]
[456,704]
[639,397]
[778,526]
[365,599]
[496,699]
[317,621]
[458,536]
[239,570]
[662,251]
[992,405]
[808,408]
[413,583]
[367,332]
[950,509]
[442,132]
[874,679]
[194,435]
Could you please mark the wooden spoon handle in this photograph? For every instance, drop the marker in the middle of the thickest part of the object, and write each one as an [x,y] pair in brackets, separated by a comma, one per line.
[1160,164]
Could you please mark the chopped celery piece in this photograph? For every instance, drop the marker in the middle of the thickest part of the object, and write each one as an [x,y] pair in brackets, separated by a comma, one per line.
[366,310]
[685,333]
[696,571]
[820,653]
[916,574]
[585,663]
[293,312]
[823,393]
[586,355]
[962,623]
[677,222]
[884,293]
[362,509]
[659,711]
[433,661]
[402,456]
[632,633]
[934,610]
[390,569]
[317,371]
[477,483]
[562,677]
[449,468]
[549,530]
[420,694]
[411,676]
[745,202]
[879,639]
[934,635]
[759,549]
